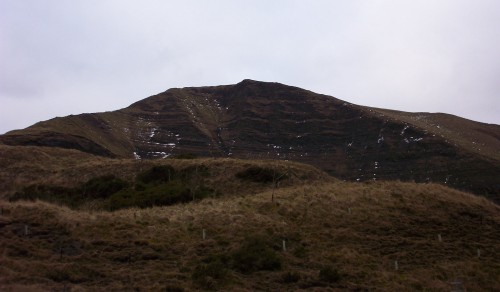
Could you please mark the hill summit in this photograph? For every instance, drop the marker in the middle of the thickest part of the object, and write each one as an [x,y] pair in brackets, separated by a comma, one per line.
[263,120]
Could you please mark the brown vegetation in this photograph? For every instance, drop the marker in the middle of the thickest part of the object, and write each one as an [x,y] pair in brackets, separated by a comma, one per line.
[338,236]
[25,166]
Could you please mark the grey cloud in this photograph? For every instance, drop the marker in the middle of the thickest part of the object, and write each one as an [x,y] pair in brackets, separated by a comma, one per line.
[76,56]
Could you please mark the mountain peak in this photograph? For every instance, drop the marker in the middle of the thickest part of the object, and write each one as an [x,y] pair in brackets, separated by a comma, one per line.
[268,120]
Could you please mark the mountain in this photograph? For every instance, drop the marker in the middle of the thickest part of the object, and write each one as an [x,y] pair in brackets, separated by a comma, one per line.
[265,120]
[88,203]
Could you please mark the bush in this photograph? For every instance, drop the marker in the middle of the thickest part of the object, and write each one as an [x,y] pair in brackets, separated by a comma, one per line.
[210,275]
[157,174]
[151,195]
[95,188]
[158,186]
[329,274]
[193,171]
[257,174]
[300,252]
[49,193]
[103,186]
[173,288]
[291,277]
[255,254]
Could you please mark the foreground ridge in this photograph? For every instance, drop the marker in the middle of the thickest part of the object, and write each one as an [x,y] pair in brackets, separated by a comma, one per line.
[330,236]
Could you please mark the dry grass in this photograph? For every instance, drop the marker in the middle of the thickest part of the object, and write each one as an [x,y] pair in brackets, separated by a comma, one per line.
[357,230]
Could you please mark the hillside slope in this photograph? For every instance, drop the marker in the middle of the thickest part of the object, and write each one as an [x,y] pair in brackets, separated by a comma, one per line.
[337,236]
[480,138]
[254,119]
[22,167]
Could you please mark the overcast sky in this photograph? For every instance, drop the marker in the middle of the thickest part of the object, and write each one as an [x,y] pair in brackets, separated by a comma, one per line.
[68,57]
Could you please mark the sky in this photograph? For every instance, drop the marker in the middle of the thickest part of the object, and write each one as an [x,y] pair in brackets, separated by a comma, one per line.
[61,57]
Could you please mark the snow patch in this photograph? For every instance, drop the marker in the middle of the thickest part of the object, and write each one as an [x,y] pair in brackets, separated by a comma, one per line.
[152,132]
[404,129]
[411,139]
[161,153]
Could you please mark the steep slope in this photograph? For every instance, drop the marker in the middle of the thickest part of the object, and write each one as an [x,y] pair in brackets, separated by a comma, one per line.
[269,120]
[480,138]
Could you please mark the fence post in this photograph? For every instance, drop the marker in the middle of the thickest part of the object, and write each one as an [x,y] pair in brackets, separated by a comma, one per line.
[284,245]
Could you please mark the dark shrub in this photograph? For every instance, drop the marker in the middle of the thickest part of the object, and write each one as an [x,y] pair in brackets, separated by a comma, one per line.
[210,275]
[255,254]
[173,288]
[73,273]
[257,174]
[53,194]
[193,172]
[103,186]
[291,277]
[157,174]
[329,274]
[152,195]
[140,186]
[300,251]
[123,199]
[203,192]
